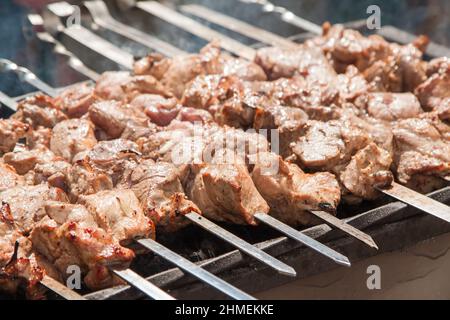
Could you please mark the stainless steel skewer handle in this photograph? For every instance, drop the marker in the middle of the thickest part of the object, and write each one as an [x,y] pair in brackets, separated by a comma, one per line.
[304,239]
[418,200]
[60,289]
[142,284]
[195,270]
[242,245]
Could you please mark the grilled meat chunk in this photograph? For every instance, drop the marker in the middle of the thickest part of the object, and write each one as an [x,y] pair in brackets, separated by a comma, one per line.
[118,212]
[76,100]
[39,110]
[19,268]
[434,94]
[83,179]
[24,159]
[161,195]
[70,235]
[10,132]
[421,150]
[160,110]
[175,73]
[70,137]
[391,106]
[121,86]
[224,191]
[368,168]
[9,177]
[27,204]
[290,192]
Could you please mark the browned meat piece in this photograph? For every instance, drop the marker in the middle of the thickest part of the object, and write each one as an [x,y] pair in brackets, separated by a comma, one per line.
[70,137]
[113,158]
[391,106]
[82,179]
[70,235]
[160,110]
[120,120]
[40,137]
[352,84]
[421,150]
[161,195]
[325,145]
[194,115]
[9,177]
[118,213]
[388,66]
[177,72]
[10,132]
[122,86]
[310,96]
[224,191]
[18,269]
[76,100]
[53,172]
[303,61]
[23,159]
[39,110]
[27,203]
[276,116]
[438,65]
[368,168]
[290,192]
[434,94]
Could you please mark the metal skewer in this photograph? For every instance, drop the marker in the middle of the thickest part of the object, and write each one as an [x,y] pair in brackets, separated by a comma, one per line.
[140,283]
[242,245]
[192,26]
[60,289]
[418,200]
[300,237]
[8,101]
[102,17]
[55,18]
[195,270]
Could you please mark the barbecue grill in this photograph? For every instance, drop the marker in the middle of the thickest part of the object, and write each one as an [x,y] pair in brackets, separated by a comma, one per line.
[110,35]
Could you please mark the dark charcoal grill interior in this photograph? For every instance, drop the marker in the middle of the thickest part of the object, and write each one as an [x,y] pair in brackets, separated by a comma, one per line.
[380,217]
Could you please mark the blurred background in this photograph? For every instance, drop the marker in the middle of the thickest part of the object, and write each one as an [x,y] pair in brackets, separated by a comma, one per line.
[18,41]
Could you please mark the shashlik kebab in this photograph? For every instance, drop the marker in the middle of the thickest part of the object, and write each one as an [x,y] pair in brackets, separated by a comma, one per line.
[89,232]
[164,111]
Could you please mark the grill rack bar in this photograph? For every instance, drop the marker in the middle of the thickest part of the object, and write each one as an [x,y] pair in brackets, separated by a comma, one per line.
[102,17]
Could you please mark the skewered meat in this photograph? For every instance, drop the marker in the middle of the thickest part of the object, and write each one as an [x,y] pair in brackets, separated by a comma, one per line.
[122,86]
[391,106]
[9,177]
[160,110]
[27,204]
[70,137]
[224,191]
[177,72]
[10,132]
[82,179]
[23,159]
[434,94]
[290,192]
[18,265]
[118,213]
[160,193]
[421,151]
[39,110]
[76,100]
[70,235]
